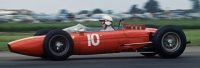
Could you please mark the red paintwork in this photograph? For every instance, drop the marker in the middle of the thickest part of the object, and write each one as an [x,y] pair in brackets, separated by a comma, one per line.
[28,46]
[110,42]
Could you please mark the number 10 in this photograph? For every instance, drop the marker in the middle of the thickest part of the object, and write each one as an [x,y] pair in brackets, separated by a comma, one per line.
[91,39]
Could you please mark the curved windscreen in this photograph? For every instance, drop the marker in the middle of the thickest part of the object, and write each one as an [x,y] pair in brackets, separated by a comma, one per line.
[80,27]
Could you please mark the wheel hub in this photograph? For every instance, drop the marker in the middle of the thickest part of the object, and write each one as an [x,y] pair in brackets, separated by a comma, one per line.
[171,42]
[58,45]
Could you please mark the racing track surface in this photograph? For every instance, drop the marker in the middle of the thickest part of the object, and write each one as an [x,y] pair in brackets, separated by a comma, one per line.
[190,59]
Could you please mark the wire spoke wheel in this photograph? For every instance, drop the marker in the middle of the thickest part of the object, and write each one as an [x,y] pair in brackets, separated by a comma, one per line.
[171,42]
[58,45]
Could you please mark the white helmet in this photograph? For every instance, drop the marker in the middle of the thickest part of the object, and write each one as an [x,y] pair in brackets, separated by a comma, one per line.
[107,17]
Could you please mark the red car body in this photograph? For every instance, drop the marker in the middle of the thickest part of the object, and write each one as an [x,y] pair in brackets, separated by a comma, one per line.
[168,42]
[126,40]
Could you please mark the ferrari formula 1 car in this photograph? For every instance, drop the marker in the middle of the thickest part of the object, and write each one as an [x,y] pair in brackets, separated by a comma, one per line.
[167,41]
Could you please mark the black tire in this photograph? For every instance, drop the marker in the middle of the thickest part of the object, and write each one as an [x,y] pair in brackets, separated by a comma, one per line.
[42,32]
[169,41]
[58,45]
[148,54]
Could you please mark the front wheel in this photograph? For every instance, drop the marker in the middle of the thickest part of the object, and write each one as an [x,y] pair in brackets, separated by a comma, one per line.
[58,45]
[169,41]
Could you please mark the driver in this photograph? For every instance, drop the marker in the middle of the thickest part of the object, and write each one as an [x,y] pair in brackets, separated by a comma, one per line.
[106,22]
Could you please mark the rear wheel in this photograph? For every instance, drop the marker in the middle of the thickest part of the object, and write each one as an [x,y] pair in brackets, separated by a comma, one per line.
[169,41]
[58,45]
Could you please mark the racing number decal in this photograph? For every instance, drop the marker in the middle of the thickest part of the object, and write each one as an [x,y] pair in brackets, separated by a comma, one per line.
[93,39]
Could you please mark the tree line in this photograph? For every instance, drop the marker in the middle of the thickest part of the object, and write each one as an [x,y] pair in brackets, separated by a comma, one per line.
[151,6]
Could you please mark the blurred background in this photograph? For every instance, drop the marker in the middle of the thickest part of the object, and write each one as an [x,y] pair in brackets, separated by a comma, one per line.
[21,18]
[37,11]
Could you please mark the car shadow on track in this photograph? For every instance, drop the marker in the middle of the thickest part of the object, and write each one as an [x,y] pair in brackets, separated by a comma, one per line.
[97,58]
[105,58]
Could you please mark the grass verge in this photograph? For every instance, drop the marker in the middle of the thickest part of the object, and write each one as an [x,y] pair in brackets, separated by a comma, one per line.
[16,27]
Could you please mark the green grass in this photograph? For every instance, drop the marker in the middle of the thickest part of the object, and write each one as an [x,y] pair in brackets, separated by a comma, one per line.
[193,36]
[16,27]
[184,23]
[5,37]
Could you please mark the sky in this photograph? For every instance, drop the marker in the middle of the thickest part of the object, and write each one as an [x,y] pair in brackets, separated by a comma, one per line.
[52,6]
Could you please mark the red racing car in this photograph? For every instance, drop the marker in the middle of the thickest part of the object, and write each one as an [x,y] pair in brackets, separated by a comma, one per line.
[167,41]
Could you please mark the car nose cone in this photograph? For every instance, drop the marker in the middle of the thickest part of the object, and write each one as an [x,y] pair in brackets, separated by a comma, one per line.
[32,46]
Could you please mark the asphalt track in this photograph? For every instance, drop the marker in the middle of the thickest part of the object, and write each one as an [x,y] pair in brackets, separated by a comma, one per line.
[189,59]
